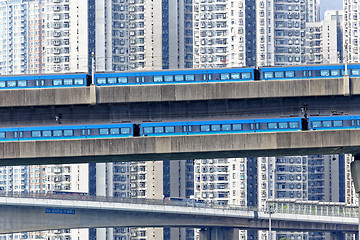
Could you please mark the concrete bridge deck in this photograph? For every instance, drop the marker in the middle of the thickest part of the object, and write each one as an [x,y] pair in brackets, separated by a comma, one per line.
[180,92]
[18,215]
[180,147]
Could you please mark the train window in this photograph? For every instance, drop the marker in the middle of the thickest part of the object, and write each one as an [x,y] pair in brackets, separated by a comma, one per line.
[357,122]
[68,82]
[2,84]
[204,77]
[11,83]
[15,134]
[159,129]
[35,133]
[125,130]
[252,126]
[78,81]
[57,133]
[179,77]
[326,123]
[57,82]
[189,77]
[114,131]
[316,124]
[148,130]
[111,80]
[324,73]
[246,75]
[283,125]
[122,80]
[268,74]
[46,133]
[289,74]
[215,127]
[2,135]
[224,76]
[338,123]
[279,74]
[158,79]
[184,129]
[335,72]
[169,78]
[169,129]
[235,76]
[205,128]
[104,131]
[294,124]
[226,127]
[355,71]
[22,83]
[237,127]
[352,122]
[101,80]
[272,125]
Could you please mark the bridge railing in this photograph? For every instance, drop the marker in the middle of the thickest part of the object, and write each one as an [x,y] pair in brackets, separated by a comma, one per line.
[165,201]
[285,206]
[335,209]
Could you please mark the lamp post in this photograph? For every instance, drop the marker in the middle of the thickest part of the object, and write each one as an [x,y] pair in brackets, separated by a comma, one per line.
[270,209]
[355,174]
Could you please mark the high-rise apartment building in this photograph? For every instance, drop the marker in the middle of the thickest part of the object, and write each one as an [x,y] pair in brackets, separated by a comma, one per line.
[151,180]
[253,181]
[59,36]
[224,33]
[351,31]
[281,29]
[307,178]
[14,32]
[324,40]
[223,182]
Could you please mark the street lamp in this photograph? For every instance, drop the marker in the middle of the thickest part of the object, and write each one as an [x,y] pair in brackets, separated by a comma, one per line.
[355,174]
[270,208]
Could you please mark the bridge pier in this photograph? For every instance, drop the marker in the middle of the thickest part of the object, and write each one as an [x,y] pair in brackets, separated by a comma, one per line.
[337,236]
[219,233]
[355,174]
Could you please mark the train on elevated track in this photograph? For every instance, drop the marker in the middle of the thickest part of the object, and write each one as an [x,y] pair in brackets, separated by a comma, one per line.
[211,75]
[147,129]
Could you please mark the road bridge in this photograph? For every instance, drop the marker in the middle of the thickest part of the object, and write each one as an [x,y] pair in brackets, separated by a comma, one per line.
[59,212]
[180,147]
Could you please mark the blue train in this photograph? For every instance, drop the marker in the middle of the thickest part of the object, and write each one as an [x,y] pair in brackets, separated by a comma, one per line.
[177,128]
[177,76]
[44,81]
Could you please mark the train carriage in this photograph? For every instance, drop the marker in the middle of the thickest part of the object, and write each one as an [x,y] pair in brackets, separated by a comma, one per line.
[174,76]
[44,81]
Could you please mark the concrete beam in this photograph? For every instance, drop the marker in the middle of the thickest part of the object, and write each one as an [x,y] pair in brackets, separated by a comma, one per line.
[180,92]
[219,233]
[180,147]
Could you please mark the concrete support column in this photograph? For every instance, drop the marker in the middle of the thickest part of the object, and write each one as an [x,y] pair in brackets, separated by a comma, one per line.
[219,233]
[346,85]
[337,236]
[355,174]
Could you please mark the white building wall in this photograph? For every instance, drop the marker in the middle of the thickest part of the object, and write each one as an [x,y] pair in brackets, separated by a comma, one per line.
[219,34]
[351,31]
